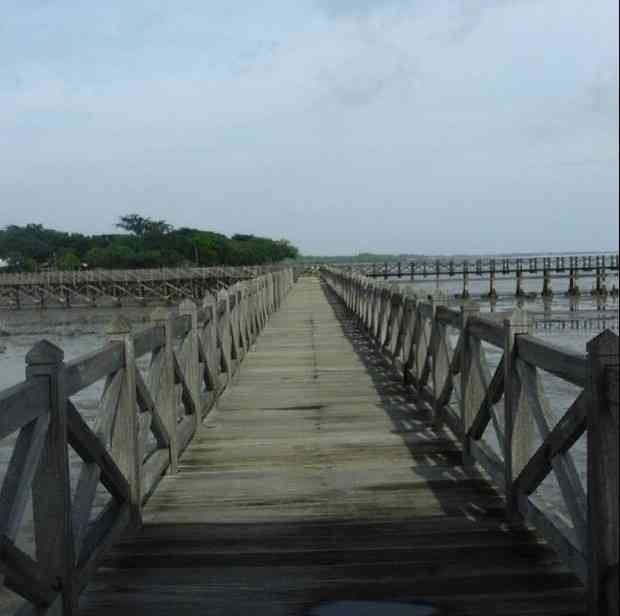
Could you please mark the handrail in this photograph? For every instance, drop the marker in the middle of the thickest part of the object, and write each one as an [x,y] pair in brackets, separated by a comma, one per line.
[441,352]
[147,418]
[452,266]
[93,287]
[135,275]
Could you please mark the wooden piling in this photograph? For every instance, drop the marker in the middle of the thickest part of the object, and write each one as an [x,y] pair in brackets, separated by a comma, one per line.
[519,291]
[573,287]
[492,288]
[547,290]
[603,471]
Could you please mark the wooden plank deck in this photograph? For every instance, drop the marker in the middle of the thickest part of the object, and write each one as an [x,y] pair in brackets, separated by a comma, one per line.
[317,480]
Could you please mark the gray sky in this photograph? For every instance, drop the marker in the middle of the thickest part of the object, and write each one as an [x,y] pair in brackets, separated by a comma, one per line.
[430,126]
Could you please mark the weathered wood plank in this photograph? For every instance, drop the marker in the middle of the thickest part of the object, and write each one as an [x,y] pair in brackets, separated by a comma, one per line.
[487,329]
[494,393]
[51,486]
[188,399]
[321,476]
[571,367]
[90,368]
[563,436]
[603,470]
[24,574]
[22,404]
[147,404]
[519,424]
[148,340]
[125,445]
[102,534]
[448,316]
[19,475]
[90,449]
[558,533]
[181,326]
[569,481]
[152,471]
[83,501]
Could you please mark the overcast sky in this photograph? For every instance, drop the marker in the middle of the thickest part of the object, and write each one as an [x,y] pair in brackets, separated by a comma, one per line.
[426,126]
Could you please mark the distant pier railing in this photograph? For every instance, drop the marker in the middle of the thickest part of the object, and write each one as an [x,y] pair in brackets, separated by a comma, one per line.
[492,269]
[158,385]
[586,321]
[119,287]
[501,414]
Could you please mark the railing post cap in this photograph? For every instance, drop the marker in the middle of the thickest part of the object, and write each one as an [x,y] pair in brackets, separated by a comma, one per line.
[44,353]
[118,326]
[470,307]
[606,343]
[187,306]
[160,315]
[518,318]
[209,299]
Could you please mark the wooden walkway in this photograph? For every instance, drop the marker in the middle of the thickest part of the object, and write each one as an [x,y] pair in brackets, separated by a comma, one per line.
[317,480]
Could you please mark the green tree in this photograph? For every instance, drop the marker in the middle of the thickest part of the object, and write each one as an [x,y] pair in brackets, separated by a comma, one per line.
[69,261]
[152,243]
[140,226]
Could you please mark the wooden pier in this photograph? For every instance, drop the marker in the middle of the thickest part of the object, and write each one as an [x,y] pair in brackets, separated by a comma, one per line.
[519,269]
[94,288]
[336,463]
[450,267]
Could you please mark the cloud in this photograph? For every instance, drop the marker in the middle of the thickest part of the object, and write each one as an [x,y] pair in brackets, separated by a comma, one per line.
[358,8]
[461,17]
[601,96]
[284,118]
[470,15]
[592,110]
[362,79]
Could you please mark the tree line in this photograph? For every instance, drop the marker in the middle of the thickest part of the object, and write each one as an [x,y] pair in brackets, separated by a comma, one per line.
[145,243]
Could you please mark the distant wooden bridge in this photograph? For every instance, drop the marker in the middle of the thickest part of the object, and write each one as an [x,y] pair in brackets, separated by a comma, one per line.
[585,320]
[360,452]
[118,287]
[519,268]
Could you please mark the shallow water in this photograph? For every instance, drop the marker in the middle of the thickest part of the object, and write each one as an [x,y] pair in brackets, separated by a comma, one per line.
[506,287]
[76,331]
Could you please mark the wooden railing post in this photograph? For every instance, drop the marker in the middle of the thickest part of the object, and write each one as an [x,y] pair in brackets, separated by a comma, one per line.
[225,336]
[472,392]
[253,308]
[603,475]
[125,447]
[165,387]
[189,308]
[244,337]
[210,342]
[441,369]
[51,486]
[233,298]
[518,423]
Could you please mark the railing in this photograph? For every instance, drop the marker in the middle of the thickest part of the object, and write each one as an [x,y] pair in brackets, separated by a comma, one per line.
[442,266]
[158,385]
[136,275]
[496,413]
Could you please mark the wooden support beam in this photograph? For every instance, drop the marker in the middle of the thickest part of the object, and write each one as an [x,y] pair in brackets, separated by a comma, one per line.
[603,472]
